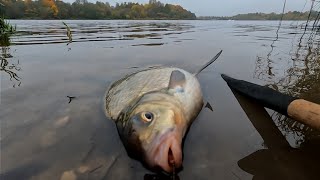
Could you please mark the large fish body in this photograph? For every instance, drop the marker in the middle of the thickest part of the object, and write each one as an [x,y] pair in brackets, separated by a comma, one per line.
[153,108]
[184,87]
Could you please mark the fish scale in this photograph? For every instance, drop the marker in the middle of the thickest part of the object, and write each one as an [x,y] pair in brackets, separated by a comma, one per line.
[127,89]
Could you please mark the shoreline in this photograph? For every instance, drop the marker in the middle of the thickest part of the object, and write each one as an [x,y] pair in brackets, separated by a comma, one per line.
[155,20]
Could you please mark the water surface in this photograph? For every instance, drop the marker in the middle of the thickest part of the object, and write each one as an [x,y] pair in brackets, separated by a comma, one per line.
[43,136]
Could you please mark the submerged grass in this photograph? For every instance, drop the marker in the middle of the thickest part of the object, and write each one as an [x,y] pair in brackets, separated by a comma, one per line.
[6,30]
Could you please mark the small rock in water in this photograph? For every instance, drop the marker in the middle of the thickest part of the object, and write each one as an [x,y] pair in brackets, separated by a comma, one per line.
[68,175]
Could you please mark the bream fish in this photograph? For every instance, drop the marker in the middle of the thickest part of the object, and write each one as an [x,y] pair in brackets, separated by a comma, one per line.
[153,109]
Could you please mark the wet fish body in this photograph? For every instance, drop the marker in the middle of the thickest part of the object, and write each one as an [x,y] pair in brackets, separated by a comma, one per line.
[153,108]
[135,85]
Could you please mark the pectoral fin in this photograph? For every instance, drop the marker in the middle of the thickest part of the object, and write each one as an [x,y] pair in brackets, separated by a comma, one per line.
[208,105]
[177,80]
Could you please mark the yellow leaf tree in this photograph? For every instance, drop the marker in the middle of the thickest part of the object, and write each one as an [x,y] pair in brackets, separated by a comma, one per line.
[51,4]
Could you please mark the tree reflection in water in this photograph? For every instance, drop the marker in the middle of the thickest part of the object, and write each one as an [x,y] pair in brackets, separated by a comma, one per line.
[9,67]
[278,160]
[300,77]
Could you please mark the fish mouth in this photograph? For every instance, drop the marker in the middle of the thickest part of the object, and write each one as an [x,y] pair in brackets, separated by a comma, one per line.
[166,152]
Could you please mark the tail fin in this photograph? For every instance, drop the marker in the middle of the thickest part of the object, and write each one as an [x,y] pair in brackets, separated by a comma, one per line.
[208,63]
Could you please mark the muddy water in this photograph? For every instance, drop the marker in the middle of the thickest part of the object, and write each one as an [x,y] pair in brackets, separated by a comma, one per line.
[45,136]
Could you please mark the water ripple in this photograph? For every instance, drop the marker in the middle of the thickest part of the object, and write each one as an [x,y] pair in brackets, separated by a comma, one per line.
[52,32]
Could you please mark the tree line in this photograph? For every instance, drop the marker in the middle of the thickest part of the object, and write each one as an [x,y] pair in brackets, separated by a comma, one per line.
[82,9]
[291,15]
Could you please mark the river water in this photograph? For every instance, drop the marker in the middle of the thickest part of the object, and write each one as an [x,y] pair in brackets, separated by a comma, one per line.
[44,136]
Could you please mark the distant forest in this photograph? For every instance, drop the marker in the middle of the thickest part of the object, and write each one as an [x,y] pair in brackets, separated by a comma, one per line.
[291,15]
[82,9]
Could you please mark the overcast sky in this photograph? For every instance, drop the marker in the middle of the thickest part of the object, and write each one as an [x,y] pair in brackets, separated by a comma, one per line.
[228,7]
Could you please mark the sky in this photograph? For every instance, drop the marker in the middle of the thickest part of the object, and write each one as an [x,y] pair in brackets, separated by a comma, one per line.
[228,7]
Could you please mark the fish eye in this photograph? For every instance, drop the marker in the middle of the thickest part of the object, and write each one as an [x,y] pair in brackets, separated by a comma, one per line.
[147,116]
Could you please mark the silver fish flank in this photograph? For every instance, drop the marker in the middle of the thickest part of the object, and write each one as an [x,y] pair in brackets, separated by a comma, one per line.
[153,109]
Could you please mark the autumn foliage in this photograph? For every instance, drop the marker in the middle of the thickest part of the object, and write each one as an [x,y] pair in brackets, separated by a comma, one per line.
[82,9]
[52,5]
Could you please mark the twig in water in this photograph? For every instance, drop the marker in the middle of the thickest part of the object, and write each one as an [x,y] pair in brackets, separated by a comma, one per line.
[70,98]
[69,34]
[306,26]
[277,33]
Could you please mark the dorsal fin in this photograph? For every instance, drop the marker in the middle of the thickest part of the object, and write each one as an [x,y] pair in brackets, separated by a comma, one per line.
[177,79]
[208,63]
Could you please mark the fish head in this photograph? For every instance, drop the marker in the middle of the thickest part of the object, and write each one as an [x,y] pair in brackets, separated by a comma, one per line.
[152,130]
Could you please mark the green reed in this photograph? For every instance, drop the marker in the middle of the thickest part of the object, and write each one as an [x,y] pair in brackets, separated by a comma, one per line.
[6,30]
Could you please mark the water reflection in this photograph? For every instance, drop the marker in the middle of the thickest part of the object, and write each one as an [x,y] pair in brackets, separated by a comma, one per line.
[4,40]
[76,138]
[9,67]
[279,160]
[149,44]
[54,32]
[292,128]
[25,171]
[295,72]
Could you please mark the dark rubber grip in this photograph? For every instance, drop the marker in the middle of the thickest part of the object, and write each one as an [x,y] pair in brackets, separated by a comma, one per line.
[266,96]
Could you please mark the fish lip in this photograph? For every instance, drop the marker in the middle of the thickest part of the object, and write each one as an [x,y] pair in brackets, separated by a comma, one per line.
[157,155]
